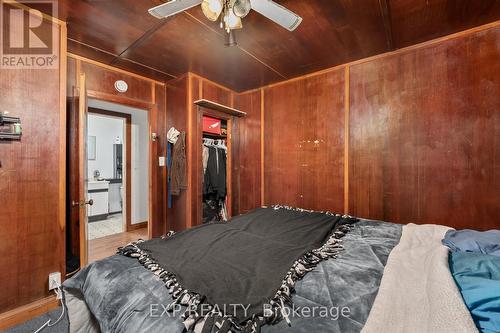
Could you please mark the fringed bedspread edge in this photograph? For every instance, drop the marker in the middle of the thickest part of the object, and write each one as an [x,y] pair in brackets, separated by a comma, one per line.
[201,316]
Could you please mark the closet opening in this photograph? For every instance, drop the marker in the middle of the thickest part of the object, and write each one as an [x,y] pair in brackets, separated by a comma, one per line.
[216,196]
[216,124]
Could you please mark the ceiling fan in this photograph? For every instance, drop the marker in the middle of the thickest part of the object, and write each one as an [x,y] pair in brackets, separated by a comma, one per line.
[231,12]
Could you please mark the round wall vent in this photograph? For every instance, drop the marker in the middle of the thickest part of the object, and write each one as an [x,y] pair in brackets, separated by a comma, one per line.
[121,86]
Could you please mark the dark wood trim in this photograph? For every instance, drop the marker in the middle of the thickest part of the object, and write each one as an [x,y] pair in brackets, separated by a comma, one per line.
[262,146]
[347,107]
[137,226]
[229,168]
[152,114]
[26,312]
[63,80]
[119,100]
[80,129]
[128,158]
[191,197]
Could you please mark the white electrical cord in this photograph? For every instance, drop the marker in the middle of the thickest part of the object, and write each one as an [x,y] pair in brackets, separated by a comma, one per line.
[59,294]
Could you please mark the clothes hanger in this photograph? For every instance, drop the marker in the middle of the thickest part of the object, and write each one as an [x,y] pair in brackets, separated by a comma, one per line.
[221,144]
[208,142]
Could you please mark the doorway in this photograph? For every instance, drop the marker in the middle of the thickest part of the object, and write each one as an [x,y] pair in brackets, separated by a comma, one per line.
[120,188]
[218,141]
[108,169]
[117,177]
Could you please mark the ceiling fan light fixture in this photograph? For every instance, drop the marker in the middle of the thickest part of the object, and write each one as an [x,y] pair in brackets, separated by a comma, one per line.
[212,9]
[241,8]
[231,39]
[232,21]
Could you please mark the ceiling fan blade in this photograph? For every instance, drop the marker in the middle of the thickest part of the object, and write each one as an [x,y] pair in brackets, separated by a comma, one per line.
[172,7]
[277,13]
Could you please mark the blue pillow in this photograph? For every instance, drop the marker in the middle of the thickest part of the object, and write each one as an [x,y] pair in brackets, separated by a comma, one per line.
[487,242]
[478,279]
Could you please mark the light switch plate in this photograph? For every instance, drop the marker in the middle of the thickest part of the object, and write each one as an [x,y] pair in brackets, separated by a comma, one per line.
[161,161]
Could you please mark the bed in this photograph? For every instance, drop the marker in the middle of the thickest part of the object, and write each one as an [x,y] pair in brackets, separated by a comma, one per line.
[387,277]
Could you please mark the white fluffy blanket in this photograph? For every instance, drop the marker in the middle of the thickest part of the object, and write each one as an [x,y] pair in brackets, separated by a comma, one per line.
[417,292]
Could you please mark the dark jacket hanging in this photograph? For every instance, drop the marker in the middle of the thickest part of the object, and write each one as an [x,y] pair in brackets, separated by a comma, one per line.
[215,175]
[178,169]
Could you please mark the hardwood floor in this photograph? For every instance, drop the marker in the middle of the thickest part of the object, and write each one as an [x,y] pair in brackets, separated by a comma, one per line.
[106,246]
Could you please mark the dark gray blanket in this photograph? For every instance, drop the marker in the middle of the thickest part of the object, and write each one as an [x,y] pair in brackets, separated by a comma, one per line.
[126,297]
[239,268]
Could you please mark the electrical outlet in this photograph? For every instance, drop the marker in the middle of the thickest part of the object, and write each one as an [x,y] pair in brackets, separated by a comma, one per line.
[161,161]
[54,280]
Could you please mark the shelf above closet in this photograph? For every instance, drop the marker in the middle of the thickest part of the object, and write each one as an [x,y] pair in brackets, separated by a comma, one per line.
[219,107]
[214,136]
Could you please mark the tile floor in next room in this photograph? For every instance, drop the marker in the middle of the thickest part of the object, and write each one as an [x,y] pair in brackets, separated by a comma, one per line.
[112,225]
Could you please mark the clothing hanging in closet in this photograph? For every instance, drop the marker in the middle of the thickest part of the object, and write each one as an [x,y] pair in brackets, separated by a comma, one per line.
[214,180]
[215,173]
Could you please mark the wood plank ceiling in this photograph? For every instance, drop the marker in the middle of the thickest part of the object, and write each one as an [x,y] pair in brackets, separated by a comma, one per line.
[123,34]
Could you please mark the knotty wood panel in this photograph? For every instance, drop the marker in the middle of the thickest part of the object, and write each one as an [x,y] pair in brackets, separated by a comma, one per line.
[32,230]
[424,134]
[304,142]
[247,159]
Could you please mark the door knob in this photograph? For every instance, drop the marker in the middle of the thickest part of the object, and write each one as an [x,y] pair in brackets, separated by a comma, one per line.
[82,203]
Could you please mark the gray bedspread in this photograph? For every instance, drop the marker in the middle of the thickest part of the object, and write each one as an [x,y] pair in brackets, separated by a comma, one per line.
[335,297]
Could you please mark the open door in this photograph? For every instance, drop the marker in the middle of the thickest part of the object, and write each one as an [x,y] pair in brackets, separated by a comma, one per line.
[77,172]
[83,174]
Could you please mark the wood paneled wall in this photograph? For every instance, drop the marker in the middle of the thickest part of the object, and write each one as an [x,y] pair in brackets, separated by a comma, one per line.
[304,142]
[420,129]
[32,183]
[247,162]
[409,136]
[177,104]
[424,134]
